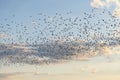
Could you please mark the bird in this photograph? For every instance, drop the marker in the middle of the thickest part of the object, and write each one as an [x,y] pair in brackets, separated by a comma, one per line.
[61,36]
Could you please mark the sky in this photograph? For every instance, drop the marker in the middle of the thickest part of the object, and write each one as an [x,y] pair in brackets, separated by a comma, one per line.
[18,12]
[24,8]
[19,20]
[30,7]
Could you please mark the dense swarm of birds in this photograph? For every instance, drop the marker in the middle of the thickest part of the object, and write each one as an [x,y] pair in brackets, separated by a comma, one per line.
[53,38]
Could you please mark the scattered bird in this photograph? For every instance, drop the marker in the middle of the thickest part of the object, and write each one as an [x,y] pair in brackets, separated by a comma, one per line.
[58,37]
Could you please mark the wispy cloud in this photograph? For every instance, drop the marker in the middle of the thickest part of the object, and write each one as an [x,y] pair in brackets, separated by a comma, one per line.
[107,4]
[4,35]
[10,76]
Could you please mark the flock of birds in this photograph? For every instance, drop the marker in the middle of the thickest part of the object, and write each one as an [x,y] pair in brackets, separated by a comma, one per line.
[52,38]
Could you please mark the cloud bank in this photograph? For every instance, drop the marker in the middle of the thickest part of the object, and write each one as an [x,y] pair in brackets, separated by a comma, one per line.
[55,52]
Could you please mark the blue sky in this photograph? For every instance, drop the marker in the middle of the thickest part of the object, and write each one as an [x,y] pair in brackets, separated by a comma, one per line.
[18,12]
[31,7]
[24,8]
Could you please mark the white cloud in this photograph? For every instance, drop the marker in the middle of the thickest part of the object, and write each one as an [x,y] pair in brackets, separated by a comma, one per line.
[116,12]
[97,3]
[116,3]
[107,4]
